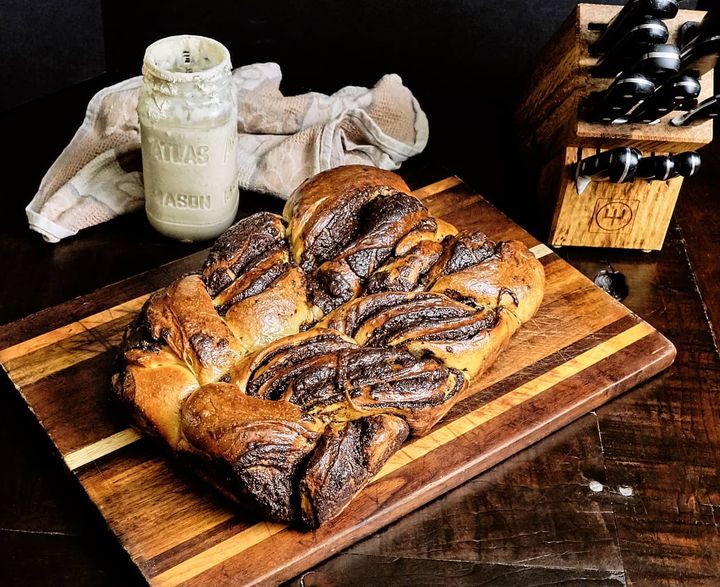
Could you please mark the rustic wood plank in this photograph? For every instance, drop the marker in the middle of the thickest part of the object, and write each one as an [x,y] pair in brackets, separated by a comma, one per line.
[536,510]
[104,298]
[33,558]
[101,448]
[697,212]
[662,446]
[361,570]
[582,349]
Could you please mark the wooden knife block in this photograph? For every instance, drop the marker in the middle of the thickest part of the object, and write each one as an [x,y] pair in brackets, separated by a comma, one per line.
[551,133]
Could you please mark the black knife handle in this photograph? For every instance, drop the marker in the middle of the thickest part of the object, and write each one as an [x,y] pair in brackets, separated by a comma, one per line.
[631,46]
[659,167]
[696,32]
[700,52]
[687,32]
[674,94]
[686,164]
[624,94]
[616,166]
[658,61]
[699,58]
[630,15]
[706,110]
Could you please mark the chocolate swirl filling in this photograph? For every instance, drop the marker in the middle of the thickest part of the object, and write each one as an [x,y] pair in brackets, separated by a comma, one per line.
[273,370]
[243,246]
[465,250]
[327,374]
[396,318]
[366,243]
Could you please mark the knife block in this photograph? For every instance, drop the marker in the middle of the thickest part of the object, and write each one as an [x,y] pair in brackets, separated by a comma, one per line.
[552,134]
[628,216]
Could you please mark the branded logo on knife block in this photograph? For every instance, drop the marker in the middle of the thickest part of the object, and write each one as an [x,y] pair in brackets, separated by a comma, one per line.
[613,215]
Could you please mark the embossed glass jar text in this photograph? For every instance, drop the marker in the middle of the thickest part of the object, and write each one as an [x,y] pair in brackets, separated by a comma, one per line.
[188,122]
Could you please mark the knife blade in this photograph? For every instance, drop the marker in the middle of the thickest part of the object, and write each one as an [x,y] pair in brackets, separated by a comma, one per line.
[615,166]
[632,14]
[631,46]
[676,93]
[687,164]
[657,61]
[700,54]
[659,167]
[706,110]
[624,94]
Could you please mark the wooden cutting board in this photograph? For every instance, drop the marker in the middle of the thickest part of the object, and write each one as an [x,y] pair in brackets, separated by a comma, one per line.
[581,349]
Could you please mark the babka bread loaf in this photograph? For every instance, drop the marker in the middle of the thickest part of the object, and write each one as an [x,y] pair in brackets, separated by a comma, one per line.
[310,346]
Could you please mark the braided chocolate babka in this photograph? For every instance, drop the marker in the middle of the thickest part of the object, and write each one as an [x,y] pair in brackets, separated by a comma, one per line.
[311,346]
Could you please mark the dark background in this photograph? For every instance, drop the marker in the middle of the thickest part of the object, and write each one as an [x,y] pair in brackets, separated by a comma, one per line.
[465,60]
[440,47]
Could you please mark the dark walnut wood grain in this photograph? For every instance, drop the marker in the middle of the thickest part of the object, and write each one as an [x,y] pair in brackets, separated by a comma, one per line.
[580,350]
[663,445]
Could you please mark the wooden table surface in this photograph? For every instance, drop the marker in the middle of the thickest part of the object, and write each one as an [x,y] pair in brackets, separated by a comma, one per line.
[627,495]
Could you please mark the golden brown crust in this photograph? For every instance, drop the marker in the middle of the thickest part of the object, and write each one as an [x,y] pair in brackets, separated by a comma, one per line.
[406,273]
[473,355]
[331,186]
[258,371]
[154,384]
[511,278]
[328,205]
[421,390]
[257,444]
[184,317]
[254,280]
[384,222]
[461,336]
[292,417]
[414,257]
[327,374]
[280,310]
[241,247]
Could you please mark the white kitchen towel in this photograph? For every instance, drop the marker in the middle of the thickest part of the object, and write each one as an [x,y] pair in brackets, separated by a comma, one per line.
[281,141]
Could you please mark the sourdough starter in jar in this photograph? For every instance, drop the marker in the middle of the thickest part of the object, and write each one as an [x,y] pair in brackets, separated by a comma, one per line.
[188,125]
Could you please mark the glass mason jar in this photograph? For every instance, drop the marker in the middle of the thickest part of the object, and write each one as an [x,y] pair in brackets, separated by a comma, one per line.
[188,126]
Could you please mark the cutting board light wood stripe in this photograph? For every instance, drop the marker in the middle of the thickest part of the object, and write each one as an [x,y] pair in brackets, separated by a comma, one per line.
[517,396]
[581,349]
[541,251]
[84,325]
[221,552]
[101,448]
[438,187]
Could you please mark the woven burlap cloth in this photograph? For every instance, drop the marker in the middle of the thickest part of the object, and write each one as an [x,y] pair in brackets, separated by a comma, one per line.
[281,141]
